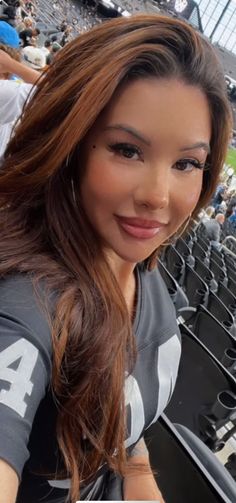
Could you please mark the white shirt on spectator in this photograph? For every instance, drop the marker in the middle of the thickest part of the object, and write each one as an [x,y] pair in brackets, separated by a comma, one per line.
[13,95]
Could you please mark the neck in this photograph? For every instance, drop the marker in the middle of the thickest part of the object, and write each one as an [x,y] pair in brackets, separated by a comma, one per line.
[124,273]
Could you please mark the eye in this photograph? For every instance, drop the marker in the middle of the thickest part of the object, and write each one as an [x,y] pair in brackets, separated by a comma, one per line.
[126,150]
[189,165]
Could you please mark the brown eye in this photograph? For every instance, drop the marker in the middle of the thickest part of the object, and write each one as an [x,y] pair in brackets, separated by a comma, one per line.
[126,150]
[189,165]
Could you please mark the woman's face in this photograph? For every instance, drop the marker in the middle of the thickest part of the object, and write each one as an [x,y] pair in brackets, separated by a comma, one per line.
[143,161]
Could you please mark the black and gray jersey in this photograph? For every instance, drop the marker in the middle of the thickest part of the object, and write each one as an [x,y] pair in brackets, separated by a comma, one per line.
[28,412]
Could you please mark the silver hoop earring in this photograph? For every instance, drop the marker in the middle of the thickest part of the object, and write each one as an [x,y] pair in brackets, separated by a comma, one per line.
[73,191]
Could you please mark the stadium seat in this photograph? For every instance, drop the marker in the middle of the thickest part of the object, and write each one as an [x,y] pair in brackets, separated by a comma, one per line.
[177,294]
[184,250]
[204,398]
[215,337]
[186,470]
[227,297]
[206,274]
[198,251]
[219,273]
[221,312]
[195,288]
[175,263]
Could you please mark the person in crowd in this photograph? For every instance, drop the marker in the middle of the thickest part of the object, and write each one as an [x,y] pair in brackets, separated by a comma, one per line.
[30,8]
[53,52]
[210,228]
[26,24]
[55,43]
[28,36]
[105,166]
[8,35]
[13,93]
[219,196]
[66,37]
[10,13]
[47,47]
[34,57]
[232,217]
[208,213]
[231,204]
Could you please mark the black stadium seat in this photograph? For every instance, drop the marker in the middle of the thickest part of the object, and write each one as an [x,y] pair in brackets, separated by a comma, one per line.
[220,311]
[215,337]
[195,288]
[219,272]
[206,274]
[184,250]
[227,297]
[175,263]
[204,398]
[186,470]
[177,294]
[198,251]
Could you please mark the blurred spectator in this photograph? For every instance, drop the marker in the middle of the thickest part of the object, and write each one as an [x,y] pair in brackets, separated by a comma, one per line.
[10,13]
[55,43]
[34,57]
[67,35]
[25,24]
[29,36]
[53,51]
[219,196]
[30,8]
[13,94]
[210,228]
[8,35]
[232,218]
[47,47]
[231,204]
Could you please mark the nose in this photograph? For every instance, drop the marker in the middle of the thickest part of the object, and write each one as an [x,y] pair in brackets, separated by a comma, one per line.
[154,189]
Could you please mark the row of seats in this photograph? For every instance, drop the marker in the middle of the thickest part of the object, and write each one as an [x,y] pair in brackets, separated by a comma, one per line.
[202,283]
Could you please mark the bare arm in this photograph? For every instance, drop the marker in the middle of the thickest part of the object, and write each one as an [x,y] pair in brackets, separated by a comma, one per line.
[8,482]
[9,65]
[139,482]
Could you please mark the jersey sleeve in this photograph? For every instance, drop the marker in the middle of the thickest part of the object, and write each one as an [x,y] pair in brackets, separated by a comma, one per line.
[25,366]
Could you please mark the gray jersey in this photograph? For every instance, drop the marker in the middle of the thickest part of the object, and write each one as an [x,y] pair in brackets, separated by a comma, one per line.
[27,411]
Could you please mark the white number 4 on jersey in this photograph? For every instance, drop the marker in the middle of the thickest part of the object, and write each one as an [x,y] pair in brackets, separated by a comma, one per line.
[23,352]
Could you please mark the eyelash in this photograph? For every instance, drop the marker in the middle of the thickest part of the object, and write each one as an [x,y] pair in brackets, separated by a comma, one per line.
[194,163]
[119,148]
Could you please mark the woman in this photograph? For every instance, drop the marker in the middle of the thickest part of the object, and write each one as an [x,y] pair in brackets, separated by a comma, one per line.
[122,142]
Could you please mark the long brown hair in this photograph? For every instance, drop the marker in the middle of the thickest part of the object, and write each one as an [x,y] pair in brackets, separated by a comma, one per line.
[45,233]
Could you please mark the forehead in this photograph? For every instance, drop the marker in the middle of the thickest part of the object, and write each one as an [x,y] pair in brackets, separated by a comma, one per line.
[160,109]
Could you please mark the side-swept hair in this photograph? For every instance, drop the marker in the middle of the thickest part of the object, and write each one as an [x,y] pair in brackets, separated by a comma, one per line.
[43,232]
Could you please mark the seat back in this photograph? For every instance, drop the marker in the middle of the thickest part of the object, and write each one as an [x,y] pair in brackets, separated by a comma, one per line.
[201,380]
[180,473]
[175,263]
[177,294]
[219,310]
[195,287]
[214,336]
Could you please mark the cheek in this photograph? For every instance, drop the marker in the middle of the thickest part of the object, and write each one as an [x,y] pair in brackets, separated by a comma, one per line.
[192,197]
[192,193]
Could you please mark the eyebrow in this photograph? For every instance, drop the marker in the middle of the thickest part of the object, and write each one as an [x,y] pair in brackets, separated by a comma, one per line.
[130,130]
[200,144]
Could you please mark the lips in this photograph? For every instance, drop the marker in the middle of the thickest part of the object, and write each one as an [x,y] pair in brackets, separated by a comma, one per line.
[140,228]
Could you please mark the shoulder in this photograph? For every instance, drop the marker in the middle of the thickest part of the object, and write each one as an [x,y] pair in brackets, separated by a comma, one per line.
[157,315]
[23,310]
